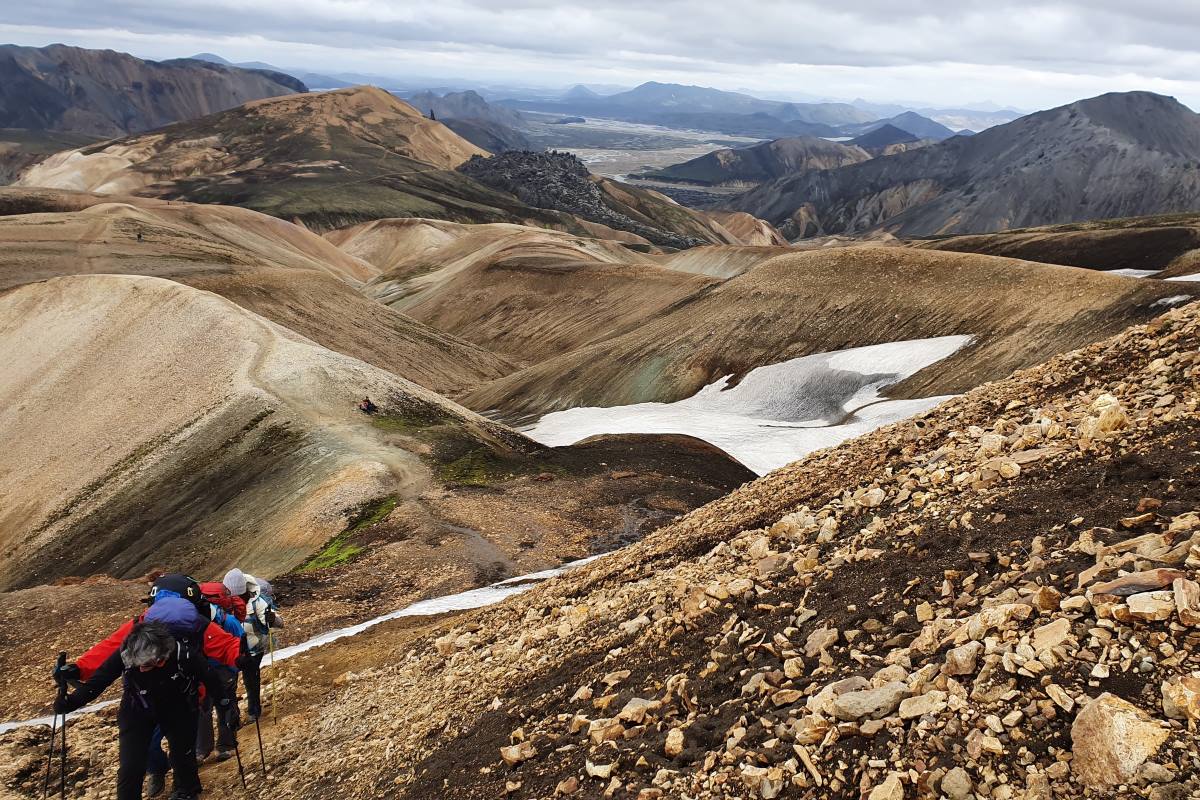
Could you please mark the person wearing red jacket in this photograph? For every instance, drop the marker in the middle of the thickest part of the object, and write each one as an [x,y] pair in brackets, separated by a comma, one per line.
[218,644]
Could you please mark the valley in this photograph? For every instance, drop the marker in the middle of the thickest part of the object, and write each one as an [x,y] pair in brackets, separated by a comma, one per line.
[661,442]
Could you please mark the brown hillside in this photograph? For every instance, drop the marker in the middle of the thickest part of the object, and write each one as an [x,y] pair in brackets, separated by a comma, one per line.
[274,268]
[527,293]
[826,300]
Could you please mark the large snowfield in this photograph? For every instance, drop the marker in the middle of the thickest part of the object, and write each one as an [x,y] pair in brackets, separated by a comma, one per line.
[777,413]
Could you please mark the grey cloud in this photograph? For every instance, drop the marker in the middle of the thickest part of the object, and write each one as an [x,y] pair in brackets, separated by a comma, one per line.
[1154,38]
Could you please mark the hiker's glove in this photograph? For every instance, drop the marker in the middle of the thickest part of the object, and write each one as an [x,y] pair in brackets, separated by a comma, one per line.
[65,705]
[67,672]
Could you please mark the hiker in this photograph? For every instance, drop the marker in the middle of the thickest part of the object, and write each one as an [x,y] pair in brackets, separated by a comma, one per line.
[367,407]
[222,609]
[216,602]
[261,620]
[176,600]
[216,643]
[162,677]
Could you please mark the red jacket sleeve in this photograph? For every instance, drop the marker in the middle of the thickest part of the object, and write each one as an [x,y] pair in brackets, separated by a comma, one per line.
[90,661]
[221,645]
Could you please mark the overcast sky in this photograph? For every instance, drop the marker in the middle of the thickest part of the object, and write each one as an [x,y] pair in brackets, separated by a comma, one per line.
[943,52]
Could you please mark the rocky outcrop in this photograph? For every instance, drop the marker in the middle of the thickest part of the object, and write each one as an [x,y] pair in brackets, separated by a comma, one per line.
[106,93]
[562,182]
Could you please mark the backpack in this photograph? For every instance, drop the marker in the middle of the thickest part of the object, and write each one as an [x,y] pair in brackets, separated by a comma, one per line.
[216,593]
[176,584]
[187,624]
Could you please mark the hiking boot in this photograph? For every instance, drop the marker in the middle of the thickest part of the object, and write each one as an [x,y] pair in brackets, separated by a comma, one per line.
[155,784]
[224,755]
[184,794]
[253,713]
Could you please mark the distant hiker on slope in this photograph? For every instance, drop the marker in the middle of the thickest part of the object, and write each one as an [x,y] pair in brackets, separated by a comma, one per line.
[262,619]
[162,676]
[367,407]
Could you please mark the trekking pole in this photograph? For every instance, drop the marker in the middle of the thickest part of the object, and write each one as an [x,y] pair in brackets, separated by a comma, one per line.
[50,756]
[241,772]
[62,691]
[261,755]
[274,677]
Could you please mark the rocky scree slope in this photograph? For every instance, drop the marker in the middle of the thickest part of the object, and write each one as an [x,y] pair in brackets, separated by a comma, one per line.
[560,181]
[997,599]
[107,93]
[1115,155]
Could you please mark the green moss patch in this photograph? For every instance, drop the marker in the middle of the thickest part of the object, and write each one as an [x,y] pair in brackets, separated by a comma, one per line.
[341,549]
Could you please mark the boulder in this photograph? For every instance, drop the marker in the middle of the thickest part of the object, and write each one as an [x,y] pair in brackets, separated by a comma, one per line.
[890,789]
[1187,601]
[1051,635]
[929,703]
[872,703]
[1152,606]
[1136,582]
[956,785]
[961,660]
[1181,696]
[1110,739]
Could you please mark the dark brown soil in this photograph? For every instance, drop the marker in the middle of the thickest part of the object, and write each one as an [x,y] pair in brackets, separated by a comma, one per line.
[1101,492]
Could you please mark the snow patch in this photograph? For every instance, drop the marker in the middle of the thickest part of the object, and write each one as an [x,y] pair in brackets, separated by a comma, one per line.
[1134,273]
[1173,300]
[777,413]
[1186,278]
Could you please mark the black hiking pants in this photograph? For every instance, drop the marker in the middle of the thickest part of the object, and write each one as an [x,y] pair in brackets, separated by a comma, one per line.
[178,725]
[226,736]
[252,677]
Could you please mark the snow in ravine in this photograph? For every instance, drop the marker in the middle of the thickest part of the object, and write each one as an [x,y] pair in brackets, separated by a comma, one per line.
[777,413]
[1134,273]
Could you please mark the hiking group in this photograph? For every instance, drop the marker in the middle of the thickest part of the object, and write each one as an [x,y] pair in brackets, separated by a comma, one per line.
[180,661]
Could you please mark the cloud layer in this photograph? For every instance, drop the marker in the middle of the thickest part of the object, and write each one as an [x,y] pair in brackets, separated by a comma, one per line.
[1028,54]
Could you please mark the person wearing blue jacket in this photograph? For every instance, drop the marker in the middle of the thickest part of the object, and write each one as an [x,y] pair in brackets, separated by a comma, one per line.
[226,735]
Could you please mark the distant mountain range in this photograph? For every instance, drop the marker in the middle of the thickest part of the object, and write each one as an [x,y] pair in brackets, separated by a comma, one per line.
[1120,154]
[315,80]
[704,108]
[495,128]
[106,93]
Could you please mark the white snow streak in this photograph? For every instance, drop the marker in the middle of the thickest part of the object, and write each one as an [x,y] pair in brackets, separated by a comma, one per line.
[778,413]
[1173,300]
[1134,273]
